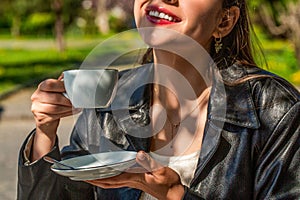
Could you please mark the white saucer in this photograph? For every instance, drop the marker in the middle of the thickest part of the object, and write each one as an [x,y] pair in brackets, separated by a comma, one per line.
[96,166]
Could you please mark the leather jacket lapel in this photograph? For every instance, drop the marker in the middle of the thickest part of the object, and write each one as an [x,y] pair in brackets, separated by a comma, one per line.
[130,108]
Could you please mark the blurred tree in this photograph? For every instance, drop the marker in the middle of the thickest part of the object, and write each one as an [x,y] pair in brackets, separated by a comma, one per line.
[281,18]
[14,11]
[57,6]
[101,16]
[46,17]
[127,7]
[109,14]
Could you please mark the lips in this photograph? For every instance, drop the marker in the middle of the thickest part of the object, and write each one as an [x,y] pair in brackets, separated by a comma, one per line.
[161,16]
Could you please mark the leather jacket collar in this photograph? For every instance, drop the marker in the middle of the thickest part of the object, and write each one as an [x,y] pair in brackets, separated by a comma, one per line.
[223,94]
[128,104]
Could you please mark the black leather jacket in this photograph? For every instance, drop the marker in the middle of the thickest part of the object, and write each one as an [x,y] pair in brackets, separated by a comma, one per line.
[251,146]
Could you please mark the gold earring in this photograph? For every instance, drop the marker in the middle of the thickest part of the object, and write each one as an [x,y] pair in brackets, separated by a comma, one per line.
[218,44]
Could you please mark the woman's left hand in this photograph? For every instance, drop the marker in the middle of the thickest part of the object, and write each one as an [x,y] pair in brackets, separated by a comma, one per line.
[153,178]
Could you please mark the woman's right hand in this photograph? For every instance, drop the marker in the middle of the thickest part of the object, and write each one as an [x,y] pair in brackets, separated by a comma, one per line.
[49,105]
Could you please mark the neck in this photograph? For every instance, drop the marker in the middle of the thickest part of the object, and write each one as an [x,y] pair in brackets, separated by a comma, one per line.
[178,84]
[190,71]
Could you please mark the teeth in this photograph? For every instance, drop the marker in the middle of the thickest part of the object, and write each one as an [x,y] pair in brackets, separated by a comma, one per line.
[161,15]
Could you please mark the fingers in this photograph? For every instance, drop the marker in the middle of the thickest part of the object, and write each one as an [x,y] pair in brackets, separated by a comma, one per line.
[49,104]
[45,118]
[148,163]
[52,85]
[156,180]
[42,99]
[123,180]
[105,185]
[157,173]
[50,91]
[61,77]
[51,108]
[159,184]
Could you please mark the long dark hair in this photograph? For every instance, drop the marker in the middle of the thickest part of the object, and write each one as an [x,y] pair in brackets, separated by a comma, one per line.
[237,46]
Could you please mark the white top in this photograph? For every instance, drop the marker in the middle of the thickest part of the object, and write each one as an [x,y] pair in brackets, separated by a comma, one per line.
[185,166]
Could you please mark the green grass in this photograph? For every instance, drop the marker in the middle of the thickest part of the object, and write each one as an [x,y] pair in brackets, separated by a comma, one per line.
[28,61]
[19,67]
[280,57]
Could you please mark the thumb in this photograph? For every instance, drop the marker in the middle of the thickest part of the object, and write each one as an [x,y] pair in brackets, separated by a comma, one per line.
[145,161]
[61,77]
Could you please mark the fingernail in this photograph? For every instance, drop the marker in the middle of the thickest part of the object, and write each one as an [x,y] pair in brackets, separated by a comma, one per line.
[141,156]
[77,110]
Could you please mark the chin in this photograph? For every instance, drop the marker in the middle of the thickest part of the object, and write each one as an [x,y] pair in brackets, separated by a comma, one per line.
[171,40]
[161,37]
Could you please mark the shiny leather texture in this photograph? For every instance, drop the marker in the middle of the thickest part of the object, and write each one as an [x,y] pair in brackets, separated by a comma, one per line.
[250,150]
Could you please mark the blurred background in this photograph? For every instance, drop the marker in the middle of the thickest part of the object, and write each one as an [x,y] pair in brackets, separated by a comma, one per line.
[42,38]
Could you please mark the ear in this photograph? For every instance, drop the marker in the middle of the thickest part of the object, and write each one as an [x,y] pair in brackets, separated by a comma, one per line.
[227,22]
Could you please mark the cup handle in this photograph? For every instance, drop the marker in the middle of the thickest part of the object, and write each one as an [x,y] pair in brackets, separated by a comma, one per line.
[66,95]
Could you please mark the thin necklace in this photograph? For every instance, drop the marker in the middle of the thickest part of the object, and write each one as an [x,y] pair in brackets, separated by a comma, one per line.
[175,126]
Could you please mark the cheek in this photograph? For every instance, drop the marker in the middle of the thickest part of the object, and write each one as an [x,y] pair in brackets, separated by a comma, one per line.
[138,11]
[136,15]
[200,30]
[201,26]
[201,13]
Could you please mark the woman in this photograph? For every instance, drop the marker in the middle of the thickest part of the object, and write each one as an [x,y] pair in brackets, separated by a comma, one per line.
[244,143]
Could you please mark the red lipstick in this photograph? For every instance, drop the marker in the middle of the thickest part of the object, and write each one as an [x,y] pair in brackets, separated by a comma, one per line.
[161,16]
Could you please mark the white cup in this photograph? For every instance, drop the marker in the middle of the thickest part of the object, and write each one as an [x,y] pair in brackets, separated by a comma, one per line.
[90,88]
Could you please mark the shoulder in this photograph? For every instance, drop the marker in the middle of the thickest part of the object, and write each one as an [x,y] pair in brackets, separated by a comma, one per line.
[253,97]
[264,85]
[277,105]
[270,90]
[273,97]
